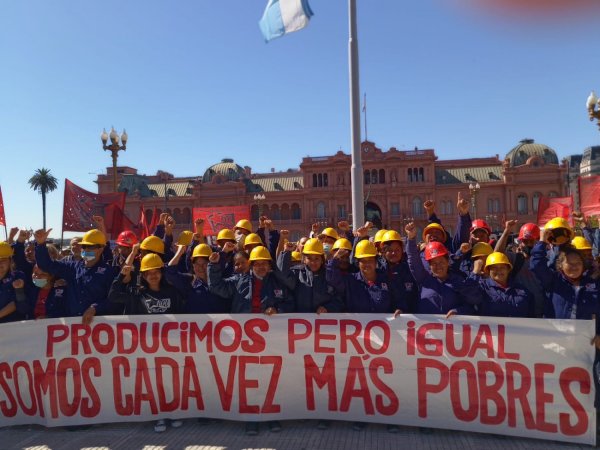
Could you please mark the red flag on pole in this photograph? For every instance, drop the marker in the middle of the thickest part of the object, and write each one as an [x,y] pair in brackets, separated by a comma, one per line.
[551,207]
[80,206]
[2,216]
[589,195]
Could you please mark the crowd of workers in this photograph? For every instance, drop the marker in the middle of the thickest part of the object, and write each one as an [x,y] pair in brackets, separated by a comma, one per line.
[549,273]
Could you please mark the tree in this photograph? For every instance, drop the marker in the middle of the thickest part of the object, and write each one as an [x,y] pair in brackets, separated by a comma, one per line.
[43,182]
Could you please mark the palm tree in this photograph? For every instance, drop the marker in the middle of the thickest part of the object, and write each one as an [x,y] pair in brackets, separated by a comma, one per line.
[43,182]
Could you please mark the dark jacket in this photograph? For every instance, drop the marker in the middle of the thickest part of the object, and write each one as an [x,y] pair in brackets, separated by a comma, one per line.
[141,300]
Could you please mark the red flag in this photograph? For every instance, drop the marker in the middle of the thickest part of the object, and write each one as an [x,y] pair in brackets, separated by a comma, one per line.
[551,207]
[143,228]
[2,216]
[80,205]
[217,218]
[589,195]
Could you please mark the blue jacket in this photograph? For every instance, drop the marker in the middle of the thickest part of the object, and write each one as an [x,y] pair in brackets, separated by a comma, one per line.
[273,240]
[196,295]
[310,290]
[437,296]
[403,283]
[87,285]
[8,295]
[238,288]
[563,296]
[56,302]
[512,301]
[360,295]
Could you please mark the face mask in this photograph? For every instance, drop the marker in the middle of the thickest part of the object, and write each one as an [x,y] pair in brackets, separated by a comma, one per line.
[88,256]
[326,248]
[40,282]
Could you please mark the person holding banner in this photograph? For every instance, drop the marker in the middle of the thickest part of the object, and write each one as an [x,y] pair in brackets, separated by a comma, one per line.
[442,291]
[89,280]
[154,295]
[261,290]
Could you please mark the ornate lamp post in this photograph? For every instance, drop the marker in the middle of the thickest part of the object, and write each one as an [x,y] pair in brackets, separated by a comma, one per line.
[593,107]
[114,148]
[259,199]
[473,190]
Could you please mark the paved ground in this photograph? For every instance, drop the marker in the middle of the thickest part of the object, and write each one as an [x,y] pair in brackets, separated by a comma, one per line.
[301,435]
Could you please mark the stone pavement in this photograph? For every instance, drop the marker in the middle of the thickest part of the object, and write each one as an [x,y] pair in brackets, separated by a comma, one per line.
[298,435]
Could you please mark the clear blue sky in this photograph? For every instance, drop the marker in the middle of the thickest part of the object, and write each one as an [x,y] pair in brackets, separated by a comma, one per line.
[193,82]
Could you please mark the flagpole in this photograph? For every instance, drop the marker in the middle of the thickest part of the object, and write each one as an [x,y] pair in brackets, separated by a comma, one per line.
[358,206]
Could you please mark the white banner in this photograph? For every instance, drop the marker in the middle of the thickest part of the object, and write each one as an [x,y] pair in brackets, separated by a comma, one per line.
[520,377]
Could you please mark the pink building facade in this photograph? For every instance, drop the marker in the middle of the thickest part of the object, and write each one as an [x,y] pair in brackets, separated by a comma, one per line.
[396,184]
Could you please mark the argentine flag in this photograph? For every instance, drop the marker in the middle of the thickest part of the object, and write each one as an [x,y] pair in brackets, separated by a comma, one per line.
[284,16]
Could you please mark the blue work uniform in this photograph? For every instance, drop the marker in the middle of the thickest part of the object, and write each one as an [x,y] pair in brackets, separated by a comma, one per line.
[196,294]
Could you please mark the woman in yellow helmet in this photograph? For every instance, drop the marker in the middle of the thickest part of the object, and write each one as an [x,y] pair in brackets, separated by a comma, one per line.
[9,281]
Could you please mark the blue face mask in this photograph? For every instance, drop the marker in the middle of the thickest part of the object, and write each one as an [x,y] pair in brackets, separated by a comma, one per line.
[326,248]
[88,255]
[40,282]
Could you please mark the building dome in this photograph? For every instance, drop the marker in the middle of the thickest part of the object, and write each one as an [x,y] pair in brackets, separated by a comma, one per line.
[227,168]
[527,149]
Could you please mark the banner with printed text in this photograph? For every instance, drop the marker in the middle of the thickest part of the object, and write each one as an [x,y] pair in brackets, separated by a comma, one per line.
[520,377]
[217,218]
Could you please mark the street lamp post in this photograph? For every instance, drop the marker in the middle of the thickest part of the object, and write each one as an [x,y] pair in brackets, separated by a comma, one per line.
[593,107]
[473,190]
[114,148]
[259,199]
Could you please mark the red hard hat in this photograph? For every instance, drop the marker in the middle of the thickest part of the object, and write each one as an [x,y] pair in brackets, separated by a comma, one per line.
[529,231]
[480,224]
[435,249]
[127,239]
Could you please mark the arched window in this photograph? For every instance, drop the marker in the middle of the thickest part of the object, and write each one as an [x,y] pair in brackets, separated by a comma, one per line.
[443,207]
[314,180]
[325,180]
[266,211]
[421,174]
[320,180]
[410,178]
[321,210]
[296,215]
[417,206]
[373,176]
[275,213]
[285,212]
[177,215]
[367,177]
[522,204]
[381,176]
[535,201]
[187,215]
[449,207]
[254,212]
[415,175]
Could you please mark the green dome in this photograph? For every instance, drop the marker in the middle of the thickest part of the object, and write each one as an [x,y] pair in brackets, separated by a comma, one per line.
[527,148]
[227,168]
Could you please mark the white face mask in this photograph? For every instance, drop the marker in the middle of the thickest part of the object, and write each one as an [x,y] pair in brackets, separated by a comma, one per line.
[40,282]
[326,248]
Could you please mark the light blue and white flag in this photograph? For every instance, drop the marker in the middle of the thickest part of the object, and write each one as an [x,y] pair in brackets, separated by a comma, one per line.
[284,16]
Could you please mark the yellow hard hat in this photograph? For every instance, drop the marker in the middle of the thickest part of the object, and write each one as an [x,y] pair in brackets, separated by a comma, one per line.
[365,249]
[93,237]
[296,257]
[202,250]
[153,244]
[559,222]
[253,239]
[481,249]
[260,253]
[150,262]
[6,251]
[496,258]
[379,235]
[245,224]
[329,232]
[342,243]
[391,236]
[225,235]
[313,247]
[581,243]
[434,226]
[185,238]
